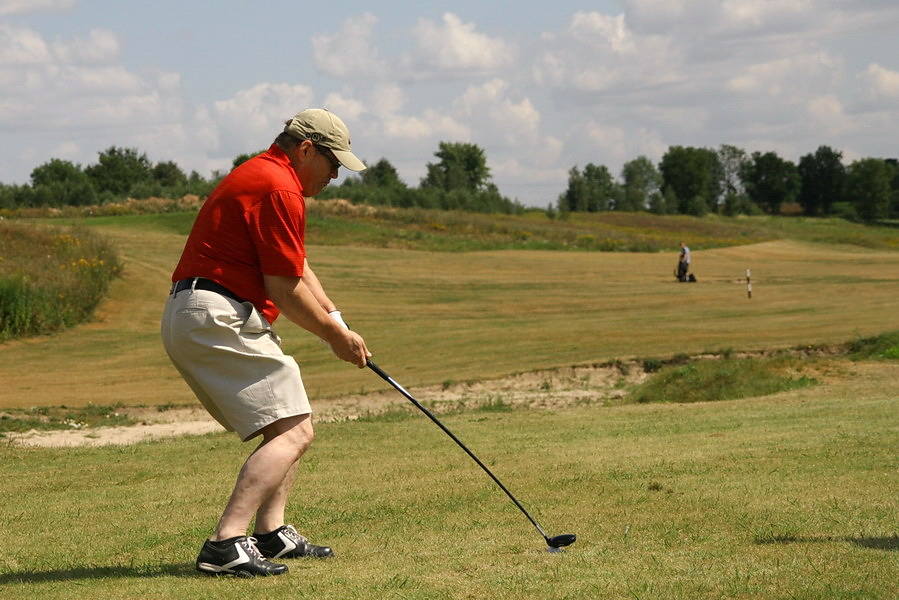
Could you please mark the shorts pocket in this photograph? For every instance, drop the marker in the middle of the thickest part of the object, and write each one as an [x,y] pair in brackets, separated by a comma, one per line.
[256,326]
[195,316]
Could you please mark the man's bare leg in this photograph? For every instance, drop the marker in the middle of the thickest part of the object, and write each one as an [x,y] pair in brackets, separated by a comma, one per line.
[265,478]
[270,515]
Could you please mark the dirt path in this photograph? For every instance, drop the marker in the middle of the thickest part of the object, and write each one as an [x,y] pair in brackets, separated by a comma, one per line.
[543,390]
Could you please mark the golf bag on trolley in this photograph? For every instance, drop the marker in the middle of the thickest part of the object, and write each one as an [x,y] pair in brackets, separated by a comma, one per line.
[680,272]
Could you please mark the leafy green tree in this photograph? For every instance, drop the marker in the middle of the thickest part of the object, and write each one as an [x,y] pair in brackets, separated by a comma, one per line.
[770,181]
[61,183]
[16,196]
[823,180]
[692,176]
[740,204]
[894,185]
[869,187]
[664,203]
[592,190]
[169,175]
[642,183]
[242,158]
[380,185]
[56,171]
[575,197]
[460,181]
[733,161]
[602,191]
[119,169]
[462,166]
[199,185]
[382,174]
[715,191]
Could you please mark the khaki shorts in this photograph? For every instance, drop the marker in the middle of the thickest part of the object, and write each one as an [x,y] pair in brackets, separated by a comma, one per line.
[231,358]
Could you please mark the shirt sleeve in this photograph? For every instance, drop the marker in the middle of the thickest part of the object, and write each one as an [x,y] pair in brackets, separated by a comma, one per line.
[277,226]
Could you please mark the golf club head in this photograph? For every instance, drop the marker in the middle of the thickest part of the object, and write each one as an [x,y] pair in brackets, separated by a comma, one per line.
[559,541]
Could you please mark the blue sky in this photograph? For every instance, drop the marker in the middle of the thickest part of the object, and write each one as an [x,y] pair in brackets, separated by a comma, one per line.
[541,87]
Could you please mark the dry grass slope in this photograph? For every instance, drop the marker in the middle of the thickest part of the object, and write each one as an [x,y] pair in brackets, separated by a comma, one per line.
[433,317]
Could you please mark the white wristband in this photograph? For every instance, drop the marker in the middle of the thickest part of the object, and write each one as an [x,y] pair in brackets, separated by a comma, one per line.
[335,314]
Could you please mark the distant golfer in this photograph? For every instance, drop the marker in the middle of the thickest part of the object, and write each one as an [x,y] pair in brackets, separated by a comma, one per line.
[244,263]
[683,263]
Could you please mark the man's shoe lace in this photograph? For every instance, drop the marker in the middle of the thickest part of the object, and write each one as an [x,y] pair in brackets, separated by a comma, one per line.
[252,550]
[294,535]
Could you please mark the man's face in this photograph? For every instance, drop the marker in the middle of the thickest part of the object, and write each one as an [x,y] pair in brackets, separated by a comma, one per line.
[314,165]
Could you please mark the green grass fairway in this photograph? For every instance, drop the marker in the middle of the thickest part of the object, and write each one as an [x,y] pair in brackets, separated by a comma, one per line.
[788,496]
[431,317]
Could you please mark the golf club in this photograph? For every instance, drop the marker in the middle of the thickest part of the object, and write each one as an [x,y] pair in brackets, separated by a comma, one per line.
[554,543]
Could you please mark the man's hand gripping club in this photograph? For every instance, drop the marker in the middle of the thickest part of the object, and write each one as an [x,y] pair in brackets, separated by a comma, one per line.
[296,302]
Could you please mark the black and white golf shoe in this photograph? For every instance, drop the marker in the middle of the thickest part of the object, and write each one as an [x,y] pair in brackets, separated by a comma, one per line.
[285,542]
[236,556]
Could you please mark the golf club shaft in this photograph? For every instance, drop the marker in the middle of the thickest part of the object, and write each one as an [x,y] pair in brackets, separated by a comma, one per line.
[409,397]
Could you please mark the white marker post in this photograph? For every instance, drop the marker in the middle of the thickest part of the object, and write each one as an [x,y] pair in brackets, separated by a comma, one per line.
[748,285]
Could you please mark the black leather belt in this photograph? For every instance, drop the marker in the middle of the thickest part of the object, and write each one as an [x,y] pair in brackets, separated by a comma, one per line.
[203,284]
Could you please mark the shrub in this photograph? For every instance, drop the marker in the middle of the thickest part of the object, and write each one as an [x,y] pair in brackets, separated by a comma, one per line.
[883,346]
[724,379]
[51,278]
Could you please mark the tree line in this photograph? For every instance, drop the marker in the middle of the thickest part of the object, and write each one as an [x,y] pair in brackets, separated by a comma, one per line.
[696,181]
[687,180]
[459,180]
[119,173]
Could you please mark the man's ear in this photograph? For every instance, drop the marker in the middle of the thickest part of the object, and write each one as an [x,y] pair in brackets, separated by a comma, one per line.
[302,151]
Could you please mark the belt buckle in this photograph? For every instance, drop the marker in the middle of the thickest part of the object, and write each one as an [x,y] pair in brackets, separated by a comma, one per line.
[175,286]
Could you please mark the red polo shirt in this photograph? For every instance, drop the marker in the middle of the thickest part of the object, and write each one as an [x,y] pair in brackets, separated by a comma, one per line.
[254,222]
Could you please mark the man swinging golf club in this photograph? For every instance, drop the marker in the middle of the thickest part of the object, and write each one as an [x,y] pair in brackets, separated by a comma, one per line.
[244,263]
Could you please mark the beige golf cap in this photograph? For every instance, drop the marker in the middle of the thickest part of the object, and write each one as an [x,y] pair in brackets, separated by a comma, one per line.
[324,128]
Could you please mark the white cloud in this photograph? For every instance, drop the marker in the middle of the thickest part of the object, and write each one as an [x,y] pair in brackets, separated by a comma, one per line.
[381,112]
[521,176]
[346,107]
[714,18]
[880,85]
[252,118]
[386,99]
[610,29]
[454,47]
[77,85]
[608,139]
[351,52]
[104,80]
[396,127]
[552,148]
[21,47]
[442,127]
[18,7]
[608,88]
[67,150]
[598,53]
[496,118]
[787,76]
[430,126]
[601,87]
[759,15]
[613,146]
[827,113]
[164,80]
[756,28]
[101,46]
